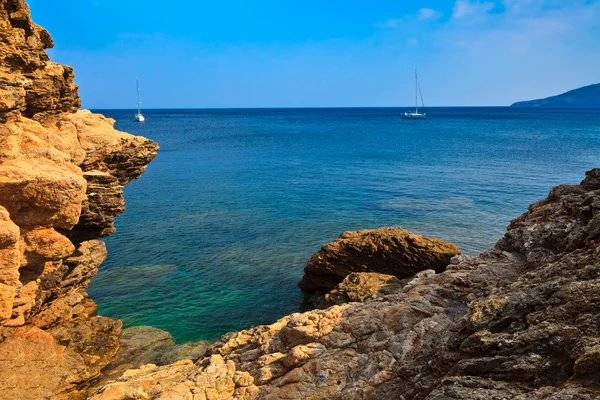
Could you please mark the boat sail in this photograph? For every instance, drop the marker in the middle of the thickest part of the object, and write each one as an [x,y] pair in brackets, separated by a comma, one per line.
[416,114]
[138,117]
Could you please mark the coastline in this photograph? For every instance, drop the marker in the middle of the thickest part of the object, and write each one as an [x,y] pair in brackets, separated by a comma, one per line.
[62,171]
[502,324]
[519,320]
[257,194]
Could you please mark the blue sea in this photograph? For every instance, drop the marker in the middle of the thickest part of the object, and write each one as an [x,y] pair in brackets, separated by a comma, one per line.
[218,229]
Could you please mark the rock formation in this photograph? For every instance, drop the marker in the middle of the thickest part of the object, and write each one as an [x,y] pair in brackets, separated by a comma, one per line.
[61,176]
[360,286]
[519,321]
[391,251]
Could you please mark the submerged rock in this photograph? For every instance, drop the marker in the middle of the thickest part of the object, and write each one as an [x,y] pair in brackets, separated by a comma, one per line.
[141,345]
[390,251]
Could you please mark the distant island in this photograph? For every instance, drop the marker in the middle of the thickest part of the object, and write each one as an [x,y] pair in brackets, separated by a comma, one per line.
[584,97]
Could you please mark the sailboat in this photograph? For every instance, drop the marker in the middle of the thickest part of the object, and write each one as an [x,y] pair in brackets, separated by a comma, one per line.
[138,117]
[416,114]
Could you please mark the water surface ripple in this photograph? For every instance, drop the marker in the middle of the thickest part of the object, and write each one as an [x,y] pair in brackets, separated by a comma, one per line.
[218,229]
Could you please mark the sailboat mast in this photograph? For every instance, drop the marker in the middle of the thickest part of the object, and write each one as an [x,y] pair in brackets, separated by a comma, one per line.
[137,85]
[416,94]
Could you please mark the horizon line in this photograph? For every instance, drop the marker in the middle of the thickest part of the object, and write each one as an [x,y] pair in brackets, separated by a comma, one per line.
[294,107]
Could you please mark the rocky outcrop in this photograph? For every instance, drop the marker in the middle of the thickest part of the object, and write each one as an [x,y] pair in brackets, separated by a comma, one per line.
[360,286]
[518,321]
[30,84]
[390,251]
[61,176]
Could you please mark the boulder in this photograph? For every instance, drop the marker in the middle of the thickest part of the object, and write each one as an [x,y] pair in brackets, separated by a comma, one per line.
[390,251]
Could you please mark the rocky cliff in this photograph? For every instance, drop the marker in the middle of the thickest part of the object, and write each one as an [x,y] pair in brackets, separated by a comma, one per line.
[520,321]
[62,171]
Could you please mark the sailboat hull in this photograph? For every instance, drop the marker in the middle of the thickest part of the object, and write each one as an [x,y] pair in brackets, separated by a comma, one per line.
[139,118]
[413,115]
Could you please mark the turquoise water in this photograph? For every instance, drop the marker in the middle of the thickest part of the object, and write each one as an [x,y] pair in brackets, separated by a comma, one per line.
[218,229]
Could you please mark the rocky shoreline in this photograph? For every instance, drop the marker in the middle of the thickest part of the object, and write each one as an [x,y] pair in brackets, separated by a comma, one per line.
[62,172]
[398,315]
[519,321]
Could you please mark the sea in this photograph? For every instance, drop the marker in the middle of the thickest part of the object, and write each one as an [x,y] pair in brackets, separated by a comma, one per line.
[218,229]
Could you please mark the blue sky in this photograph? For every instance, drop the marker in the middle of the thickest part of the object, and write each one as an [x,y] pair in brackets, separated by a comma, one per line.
[240,53]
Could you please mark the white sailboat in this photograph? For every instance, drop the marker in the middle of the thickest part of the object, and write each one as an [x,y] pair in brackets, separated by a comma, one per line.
[138,117]
[416,114]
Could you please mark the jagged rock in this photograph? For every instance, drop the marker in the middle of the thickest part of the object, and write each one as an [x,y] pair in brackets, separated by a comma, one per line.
[30,84]
[61,292]
[518,321]
[60,333]
[103,203]
[358,287]
[51,342]
[390,251]
[112,159]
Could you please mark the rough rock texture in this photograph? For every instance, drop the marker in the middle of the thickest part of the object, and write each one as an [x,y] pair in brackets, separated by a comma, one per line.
[141,345]
[520,321]
[391,251]
[30,84]
[61,176]
[360,286]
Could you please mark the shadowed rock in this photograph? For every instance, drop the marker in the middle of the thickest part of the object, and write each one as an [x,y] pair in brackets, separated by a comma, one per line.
[141,345]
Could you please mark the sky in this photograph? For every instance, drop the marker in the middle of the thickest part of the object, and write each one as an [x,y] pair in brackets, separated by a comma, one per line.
[322,53]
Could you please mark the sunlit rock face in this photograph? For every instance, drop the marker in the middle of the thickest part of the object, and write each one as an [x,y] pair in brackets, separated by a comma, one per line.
[518,321]
[61,176]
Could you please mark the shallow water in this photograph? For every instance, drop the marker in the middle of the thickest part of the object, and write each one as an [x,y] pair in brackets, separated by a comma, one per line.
[218,229]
